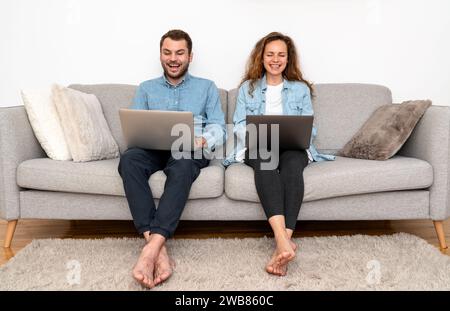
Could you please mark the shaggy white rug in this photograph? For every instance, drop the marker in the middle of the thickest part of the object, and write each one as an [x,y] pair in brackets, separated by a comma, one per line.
[390,262]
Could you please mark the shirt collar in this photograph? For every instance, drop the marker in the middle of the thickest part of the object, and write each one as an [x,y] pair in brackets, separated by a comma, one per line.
[286,84]
[185,79]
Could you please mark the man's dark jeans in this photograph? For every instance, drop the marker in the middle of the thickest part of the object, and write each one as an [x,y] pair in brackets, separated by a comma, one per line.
[135,167]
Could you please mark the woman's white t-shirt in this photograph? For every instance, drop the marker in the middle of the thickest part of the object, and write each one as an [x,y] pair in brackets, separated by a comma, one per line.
[274,100]
[274,104]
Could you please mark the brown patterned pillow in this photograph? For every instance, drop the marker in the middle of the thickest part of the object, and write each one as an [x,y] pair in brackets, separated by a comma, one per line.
[386,131]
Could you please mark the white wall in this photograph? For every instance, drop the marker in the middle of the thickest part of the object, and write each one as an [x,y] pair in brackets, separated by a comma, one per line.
[403,44]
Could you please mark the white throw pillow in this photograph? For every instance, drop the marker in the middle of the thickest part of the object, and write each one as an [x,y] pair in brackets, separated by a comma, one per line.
[45,123]
[86,131]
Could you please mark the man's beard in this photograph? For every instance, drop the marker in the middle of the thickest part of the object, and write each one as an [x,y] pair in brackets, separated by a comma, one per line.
[178,75]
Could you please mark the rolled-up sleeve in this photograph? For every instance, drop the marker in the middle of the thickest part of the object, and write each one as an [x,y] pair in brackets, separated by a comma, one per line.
[239,120]
[239,130]
[308,110]
[214,131]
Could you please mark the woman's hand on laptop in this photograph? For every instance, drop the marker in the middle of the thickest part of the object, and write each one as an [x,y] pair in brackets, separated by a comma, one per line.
[200,142]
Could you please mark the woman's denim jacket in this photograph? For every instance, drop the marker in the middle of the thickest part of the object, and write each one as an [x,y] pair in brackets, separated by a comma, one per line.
[296,99]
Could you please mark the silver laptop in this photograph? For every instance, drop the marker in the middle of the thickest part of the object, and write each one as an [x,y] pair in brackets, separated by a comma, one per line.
[294,131]
[152,129]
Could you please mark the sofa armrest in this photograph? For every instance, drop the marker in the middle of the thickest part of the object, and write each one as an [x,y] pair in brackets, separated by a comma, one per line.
[17,144]
[430,141]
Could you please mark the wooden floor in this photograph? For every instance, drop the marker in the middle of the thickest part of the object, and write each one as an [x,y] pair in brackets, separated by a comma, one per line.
[27,230]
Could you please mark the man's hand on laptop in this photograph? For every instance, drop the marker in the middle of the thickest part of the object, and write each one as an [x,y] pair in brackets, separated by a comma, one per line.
[200,142]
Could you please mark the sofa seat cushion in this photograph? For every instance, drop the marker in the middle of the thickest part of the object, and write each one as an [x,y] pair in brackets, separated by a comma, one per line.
[342,177]
[102,177]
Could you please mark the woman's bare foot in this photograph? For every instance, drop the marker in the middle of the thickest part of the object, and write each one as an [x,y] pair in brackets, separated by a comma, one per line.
[164,266]
[143,270]
[273,267]
[284,253]
[293,245]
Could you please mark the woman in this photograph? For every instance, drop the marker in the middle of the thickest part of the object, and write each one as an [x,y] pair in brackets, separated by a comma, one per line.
[274,84]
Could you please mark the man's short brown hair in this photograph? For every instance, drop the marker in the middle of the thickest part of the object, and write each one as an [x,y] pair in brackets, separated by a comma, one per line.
[177,34]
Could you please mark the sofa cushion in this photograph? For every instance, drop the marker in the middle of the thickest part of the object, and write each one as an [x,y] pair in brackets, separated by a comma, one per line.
[112,97]
[44,121]
[85,129]
[340,109]
[386,131]
[102,177]
[342,177]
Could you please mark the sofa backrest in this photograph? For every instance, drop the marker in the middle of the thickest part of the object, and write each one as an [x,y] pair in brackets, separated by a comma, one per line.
[339,111]
[115,96]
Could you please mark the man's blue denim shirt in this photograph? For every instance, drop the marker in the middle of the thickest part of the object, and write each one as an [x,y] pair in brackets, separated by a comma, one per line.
[200,96]
[296,100]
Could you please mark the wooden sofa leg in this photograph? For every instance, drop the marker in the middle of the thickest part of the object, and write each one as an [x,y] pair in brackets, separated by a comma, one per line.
[11,227]
[439,227]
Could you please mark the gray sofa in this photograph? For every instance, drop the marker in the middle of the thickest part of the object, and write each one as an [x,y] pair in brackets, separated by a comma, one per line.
[414,184]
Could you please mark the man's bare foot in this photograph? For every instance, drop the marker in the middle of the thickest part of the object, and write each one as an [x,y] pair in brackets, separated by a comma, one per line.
[143,270]
[164,266]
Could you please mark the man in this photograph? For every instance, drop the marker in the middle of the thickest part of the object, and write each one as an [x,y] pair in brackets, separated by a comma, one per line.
[175,90]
